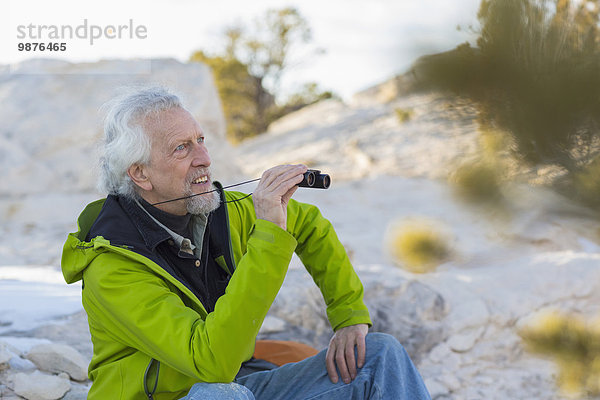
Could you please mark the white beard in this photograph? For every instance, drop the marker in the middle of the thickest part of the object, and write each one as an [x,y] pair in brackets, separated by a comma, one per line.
[204,203]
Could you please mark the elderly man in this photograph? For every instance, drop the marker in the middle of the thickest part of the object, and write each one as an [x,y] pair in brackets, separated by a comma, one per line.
[178,274]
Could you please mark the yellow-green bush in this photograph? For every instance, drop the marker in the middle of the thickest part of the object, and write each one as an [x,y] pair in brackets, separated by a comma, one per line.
[586,184]
[573,343]
[404,114]
[533,74]
[493,143]
[417,245]
[478,181]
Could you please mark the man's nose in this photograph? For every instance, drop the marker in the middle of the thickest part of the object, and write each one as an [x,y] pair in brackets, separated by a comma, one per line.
[201,158]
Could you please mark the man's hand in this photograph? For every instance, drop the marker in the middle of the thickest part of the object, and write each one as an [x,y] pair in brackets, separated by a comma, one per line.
[276,187]
[341,352]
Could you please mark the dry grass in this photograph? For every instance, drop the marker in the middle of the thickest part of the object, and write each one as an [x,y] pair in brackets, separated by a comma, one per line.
[418,246]
[478,182]
[574,344]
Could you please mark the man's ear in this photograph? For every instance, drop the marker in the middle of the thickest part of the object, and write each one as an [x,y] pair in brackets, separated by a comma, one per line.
[137,174]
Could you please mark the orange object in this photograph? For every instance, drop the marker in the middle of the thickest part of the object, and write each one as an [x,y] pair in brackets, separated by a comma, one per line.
[280,352]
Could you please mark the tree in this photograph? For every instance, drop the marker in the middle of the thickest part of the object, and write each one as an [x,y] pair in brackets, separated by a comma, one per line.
[248,71]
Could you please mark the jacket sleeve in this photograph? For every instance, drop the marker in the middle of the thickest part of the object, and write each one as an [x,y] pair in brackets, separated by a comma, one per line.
[144,311]
[326,260]
[321,253]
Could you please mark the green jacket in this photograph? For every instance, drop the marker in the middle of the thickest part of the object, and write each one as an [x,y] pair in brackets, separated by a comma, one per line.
[137,311]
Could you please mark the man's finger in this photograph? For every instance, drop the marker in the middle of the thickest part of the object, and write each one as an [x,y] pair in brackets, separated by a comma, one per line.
[287,180]
[277,179]
[333,376]
[340,360]
[361,350]
[350,360]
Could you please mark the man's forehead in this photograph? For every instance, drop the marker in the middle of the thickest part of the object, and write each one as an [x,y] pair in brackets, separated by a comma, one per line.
[171,124]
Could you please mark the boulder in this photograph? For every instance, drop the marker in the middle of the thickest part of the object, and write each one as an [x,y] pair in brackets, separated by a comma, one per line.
[407,309]
[59,358]
[77,392]
[19,364]
[40,386]
[58,103]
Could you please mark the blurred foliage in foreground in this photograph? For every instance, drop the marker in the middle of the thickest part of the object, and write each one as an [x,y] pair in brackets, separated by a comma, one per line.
[249,69]
[573,344]
[418,246]
[535,75]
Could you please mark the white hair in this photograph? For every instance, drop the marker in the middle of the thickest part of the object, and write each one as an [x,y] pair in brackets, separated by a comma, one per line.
[125,141]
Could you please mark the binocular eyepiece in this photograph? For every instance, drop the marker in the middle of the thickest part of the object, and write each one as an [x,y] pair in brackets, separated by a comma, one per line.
[313,178]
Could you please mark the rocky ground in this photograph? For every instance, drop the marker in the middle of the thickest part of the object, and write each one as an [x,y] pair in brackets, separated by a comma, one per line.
[534,251]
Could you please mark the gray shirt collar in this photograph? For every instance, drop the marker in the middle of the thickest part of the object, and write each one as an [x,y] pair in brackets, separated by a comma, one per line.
[185,244]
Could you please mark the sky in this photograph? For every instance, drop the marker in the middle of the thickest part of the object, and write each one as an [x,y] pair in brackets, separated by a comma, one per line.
[363,42]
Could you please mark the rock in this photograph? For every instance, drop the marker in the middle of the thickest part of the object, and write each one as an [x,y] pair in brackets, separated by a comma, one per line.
[21,345]
[5,357]
[272,325]
[465,340]
[409,310]
[19,364]
[59,358]
[77,392]
[450,381]
[436,389]
[39,386]
[63,157]
[473,314]
[306,320]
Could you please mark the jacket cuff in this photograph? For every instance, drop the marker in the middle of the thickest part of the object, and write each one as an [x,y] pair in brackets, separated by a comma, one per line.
[353,318]
[272,233]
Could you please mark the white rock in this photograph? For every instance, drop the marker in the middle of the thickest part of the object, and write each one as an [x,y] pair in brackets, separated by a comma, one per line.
[63,155]
[272,324]
[39,386]
[19,364]
[473,314]
[59,358]
[21,345]
[7,394]
[465,340]
[77,392]
[450,381]
[5,357]
[436,389]
[439,353]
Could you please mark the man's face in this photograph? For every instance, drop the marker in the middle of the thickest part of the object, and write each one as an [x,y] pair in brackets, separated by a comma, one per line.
[179,164]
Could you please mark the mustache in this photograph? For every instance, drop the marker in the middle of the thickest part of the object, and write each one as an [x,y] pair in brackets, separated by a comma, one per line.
[200,172]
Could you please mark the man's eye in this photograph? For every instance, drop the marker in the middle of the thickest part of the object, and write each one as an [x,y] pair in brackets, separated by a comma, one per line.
[201,140]
[180,147]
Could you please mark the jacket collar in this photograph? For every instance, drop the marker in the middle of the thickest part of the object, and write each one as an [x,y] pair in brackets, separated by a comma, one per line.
[151,232]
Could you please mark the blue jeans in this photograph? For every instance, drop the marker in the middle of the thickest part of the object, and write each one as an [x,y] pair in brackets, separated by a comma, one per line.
[388,373]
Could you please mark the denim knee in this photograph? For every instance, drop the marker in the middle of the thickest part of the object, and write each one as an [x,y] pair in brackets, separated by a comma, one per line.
[379,344]
[380,340]
[219,391]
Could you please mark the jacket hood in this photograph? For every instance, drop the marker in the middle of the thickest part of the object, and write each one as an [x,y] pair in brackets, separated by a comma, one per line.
[77,253]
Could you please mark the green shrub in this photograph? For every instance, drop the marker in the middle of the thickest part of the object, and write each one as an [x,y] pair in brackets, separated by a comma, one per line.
[404,114]
[534,74]
[417,246]
[575,346]
[586,184]
[478,181]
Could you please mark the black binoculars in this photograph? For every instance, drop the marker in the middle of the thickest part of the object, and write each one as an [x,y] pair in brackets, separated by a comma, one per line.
[313,178]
